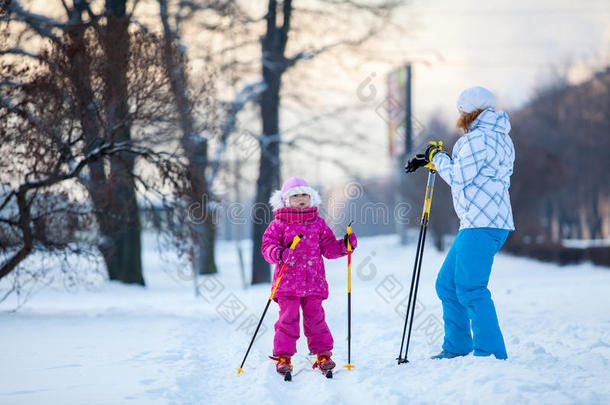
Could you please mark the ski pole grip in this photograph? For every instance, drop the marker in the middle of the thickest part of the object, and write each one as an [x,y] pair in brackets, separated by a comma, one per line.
[439,146]
[349,231]
[296,240]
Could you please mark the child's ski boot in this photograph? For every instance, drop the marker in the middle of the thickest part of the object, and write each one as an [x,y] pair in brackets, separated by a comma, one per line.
[325,363]
[283,366]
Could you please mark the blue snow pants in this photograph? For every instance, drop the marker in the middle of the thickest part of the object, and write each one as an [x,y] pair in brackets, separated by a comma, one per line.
[462,287]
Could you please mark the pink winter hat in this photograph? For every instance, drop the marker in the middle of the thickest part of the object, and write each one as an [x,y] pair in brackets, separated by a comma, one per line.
[293,186]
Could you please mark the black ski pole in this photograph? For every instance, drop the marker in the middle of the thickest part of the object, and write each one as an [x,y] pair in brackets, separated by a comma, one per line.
[277,282]
[419,253]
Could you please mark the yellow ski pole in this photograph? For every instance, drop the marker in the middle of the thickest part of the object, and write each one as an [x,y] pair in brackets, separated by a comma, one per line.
[277,282]
[349,366]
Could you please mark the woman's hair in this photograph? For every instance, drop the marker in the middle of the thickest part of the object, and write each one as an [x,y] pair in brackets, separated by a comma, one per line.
[466,119]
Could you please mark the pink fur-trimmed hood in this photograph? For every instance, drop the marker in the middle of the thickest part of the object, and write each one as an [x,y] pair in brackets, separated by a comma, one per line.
[293,186]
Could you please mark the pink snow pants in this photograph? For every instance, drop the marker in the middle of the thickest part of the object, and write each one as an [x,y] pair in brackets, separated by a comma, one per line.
[287,327]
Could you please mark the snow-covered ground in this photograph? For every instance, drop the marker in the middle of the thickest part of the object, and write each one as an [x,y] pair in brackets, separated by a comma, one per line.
[121,344]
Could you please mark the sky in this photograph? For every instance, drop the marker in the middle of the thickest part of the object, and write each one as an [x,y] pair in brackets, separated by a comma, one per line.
[512,48]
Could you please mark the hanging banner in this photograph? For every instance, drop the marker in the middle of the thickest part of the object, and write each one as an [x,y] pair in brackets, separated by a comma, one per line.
[395,108]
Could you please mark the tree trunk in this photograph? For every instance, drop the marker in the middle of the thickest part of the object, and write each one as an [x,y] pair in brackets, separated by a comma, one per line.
[438,241]
[273,47]
[206,260]
[594,217]
[113,196]
[196,148]
[269,173]
[194,145]
[122,251]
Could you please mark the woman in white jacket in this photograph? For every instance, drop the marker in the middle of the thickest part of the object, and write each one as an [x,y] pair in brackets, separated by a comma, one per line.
[479,176]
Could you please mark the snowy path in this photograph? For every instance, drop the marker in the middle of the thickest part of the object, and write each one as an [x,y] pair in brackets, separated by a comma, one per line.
[121,344]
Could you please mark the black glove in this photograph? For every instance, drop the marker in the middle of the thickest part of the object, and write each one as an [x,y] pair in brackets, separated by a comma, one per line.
[287,254]
[422,159]
[353,240]
[432,150]
[416,162]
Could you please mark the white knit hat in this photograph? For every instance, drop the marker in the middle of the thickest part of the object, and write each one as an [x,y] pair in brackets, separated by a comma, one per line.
[476,98]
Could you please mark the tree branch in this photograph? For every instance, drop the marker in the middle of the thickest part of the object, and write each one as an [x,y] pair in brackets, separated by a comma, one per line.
[247,93]
[378,10]
[10,83]
[52,132]
[287,13]
[35,56]
[43,25]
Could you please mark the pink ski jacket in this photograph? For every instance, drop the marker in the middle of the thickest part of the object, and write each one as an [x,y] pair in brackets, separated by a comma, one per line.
[305,275]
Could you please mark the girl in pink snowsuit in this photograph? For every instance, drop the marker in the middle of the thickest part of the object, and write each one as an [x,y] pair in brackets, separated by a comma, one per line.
[304,281]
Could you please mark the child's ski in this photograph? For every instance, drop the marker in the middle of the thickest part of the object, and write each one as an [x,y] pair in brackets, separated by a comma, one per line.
[313,359]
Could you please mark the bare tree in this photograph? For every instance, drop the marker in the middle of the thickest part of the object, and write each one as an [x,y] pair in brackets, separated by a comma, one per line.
[260,72]
[193,140]
[555,194]
[557,189]
[76,104]
[120,243]
[275,62]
